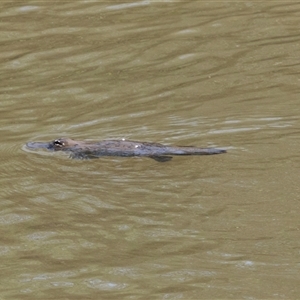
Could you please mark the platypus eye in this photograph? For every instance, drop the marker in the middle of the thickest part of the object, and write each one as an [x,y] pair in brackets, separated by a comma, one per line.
[58,143]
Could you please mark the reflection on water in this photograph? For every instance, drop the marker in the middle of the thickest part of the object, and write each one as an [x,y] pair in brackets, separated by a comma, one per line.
[186,73]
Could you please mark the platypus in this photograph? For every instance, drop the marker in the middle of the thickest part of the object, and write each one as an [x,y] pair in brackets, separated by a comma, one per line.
[127,148]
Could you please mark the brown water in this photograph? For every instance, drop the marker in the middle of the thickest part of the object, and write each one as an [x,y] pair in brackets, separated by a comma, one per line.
[197,73]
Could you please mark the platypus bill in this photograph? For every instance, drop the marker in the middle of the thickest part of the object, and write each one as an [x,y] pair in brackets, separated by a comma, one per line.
[125,148]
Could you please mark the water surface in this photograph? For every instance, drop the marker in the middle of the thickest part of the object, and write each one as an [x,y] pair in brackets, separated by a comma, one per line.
[222,74]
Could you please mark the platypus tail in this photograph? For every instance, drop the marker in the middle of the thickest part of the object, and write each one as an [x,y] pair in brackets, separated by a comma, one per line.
[195,151]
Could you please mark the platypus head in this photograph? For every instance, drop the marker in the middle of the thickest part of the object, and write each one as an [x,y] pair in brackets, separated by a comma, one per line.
[61,144]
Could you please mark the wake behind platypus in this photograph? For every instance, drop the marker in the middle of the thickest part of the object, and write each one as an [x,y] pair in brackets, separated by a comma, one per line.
[125,148]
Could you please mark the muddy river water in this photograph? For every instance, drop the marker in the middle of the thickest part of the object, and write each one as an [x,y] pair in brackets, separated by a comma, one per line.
[218,74]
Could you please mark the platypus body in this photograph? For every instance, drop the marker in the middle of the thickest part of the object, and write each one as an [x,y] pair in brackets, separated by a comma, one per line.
[127,148]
